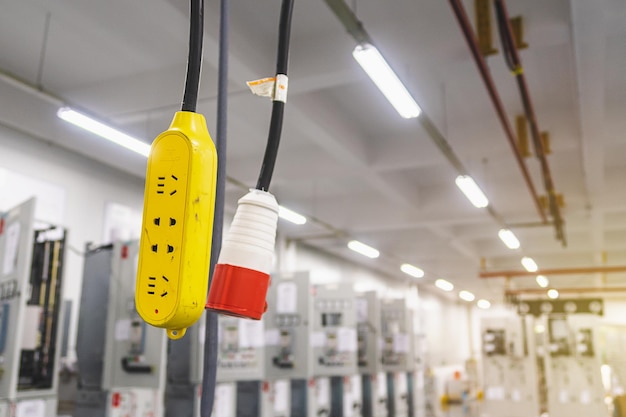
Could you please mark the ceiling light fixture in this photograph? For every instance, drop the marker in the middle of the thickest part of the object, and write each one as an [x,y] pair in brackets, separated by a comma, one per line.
[107,132]
[542,281]
[529,264]
[412,270]
[363,249]
[509,239]
[444,285]
[472,191]
[386,80]
[553,294]
[291,216]
[484,304]
[466,296]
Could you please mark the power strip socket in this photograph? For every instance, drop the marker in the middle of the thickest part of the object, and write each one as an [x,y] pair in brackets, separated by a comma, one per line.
[175,246]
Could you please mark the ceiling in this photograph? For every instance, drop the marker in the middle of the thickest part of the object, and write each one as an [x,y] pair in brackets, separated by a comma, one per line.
[347,158]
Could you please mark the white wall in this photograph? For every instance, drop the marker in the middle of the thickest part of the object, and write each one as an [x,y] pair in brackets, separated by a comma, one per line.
[87,185]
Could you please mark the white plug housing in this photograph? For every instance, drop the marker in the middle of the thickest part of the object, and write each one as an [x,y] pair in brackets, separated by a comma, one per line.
[241,276]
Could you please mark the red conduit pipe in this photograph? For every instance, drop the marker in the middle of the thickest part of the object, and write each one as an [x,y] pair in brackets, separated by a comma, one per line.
[466,27]
[505,25]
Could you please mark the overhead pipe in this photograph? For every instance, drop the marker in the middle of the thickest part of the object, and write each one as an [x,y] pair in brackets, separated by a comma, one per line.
[472,42]
[559,271]
[515,65]
[574,290]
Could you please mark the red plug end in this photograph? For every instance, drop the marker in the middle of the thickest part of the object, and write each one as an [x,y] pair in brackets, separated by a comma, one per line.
[238,291]
[241,277]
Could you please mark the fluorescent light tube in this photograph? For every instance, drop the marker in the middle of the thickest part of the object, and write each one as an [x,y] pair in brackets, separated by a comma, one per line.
[553,294]
[444,285]
[107,132]
[412,270]
[466,296]
[472,191]
[542,281]
[291,216]
[484,304]
[529,264]
[363,249]
[386,80]
[509,239]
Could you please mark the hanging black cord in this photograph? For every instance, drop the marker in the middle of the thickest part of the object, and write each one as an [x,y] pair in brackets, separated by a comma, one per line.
[209,371]
[507,42]
[278,107]
[194,62]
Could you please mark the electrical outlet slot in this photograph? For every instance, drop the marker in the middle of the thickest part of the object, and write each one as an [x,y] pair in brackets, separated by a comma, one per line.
[165,231]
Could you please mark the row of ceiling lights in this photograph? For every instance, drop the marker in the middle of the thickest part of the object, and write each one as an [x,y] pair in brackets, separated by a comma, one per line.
[392,88]
[377,68]
[416,272]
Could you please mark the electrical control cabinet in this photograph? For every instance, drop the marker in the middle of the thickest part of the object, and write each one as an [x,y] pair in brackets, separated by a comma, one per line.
[335,346]
[121,358]
[334,335]
[572,366]
[288,351]
[31,287]
[311,340]
[241,372]
[374,380]
[397,357]
[511,374]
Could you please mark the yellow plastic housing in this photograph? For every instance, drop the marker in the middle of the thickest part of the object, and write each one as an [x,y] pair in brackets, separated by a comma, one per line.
[175,246]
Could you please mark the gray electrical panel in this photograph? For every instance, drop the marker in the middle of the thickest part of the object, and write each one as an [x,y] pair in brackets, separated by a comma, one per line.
[335,346]
[397,355]
[374,379]
[510,367]
[241,354]
[334,335]
[31,278]
[121,358]
[572,365]
[241,369]
[288,352]
[311,340]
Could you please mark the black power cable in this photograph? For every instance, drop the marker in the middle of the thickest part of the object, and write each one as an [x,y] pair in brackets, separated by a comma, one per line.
[278,107]
[508,43]
[209,371]
[194,62]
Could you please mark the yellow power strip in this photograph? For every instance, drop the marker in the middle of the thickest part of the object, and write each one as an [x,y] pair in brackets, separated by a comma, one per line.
[175,247]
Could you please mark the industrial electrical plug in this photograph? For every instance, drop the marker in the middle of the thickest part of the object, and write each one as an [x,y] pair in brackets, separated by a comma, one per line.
[241,276]
[175,245]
